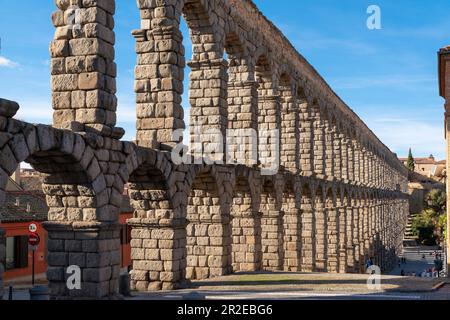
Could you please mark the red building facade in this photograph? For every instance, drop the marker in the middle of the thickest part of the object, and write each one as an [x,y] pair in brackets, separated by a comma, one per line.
[22,208]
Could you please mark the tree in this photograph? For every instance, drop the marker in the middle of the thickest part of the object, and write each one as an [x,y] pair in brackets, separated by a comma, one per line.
[436,200]
[411,166]
[423,227]
[430,226]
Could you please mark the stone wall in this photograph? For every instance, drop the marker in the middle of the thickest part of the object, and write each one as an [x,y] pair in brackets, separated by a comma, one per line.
[337,199]
[2,260]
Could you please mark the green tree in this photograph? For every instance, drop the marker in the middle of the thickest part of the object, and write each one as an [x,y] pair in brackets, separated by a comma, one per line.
[423,227]
[442,226]
[436,200]
[430,226]
[410,164]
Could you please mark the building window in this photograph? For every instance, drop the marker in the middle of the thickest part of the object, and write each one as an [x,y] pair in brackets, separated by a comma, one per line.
[16,252]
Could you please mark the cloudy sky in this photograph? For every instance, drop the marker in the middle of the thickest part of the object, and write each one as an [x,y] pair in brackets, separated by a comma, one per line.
[388,76]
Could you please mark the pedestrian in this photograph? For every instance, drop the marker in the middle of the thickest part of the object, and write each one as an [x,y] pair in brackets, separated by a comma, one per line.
[402,273]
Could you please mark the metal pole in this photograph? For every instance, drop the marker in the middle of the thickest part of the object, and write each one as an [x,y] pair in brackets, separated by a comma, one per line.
[10,297]
[32,277]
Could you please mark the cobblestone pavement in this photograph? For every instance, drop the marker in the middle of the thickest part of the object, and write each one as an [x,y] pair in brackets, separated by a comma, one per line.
[293,286]
[304,287]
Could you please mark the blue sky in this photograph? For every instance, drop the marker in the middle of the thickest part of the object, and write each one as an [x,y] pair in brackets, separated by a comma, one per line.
[388,76]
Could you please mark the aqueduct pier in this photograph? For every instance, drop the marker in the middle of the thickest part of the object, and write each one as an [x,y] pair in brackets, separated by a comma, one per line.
[337,199]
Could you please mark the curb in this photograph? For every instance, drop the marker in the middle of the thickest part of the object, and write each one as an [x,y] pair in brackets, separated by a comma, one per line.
[438,286]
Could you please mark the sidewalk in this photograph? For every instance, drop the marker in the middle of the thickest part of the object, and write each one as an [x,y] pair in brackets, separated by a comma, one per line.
[21,286]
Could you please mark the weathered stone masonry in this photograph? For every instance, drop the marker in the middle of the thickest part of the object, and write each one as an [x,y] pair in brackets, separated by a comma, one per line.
[337,199]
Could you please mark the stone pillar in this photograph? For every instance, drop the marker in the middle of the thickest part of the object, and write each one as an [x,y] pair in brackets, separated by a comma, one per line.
[319,141]
[292,240]
[158,251]
[372,228]
[350,245]
[306,141]
[356,159]
[83,69]
[246,249]
[2,259]
[377,233]
[345,157]
[382,175]
[373,171]
[308,233]
[209,114]
[363,165]
[350,161]
[208,236]
[272,240]
[8,164]
[357,215]
[3,182]
[94,248]
[342,212]
[320,234]
[333,233]
[338,167]
[329,149]
[364,169]
[383,242]
[158,82]
[242,120]
[289,132]
[159,76]
[377,172]
[364,233]
[269,119]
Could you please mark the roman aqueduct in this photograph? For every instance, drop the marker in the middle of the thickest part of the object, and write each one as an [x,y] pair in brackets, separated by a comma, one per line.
[337,198]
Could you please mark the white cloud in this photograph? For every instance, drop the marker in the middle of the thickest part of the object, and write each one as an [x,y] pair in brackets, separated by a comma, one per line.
[35,111]
[126,114]
[6,63]
[399,135]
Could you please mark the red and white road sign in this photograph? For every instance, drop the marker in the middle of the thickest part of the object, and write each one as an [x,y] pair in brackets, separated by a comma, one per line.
[34,239]
[33,227]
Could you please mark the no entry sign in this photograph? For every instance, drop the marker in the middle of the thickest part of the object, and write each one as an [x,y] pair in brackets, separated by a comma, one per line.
[34,239]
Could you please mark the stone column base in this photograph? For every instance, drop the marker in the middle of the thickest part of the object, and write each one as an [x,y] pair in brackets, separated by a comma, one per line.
[2,260]
[292,241]
[246,248]
[158,252]
[90,250]
[272,241]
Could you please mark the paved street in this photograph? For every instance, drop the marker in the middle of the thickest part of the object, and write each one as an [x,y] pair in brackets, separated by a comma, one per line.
[415,260]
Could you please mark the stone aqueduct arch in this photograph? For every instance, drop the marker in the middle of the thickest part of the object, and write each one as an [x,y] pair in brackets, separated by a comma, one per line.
[337,199]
